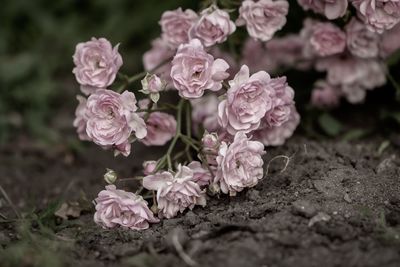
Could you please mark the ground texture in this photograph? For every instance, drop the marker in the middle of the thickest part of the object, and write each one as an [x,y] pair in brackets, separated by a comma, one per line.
[336,204]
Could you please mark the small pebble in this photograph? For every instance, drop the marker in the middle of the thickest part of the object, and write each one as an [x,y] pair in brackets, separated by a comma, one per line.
[321,216]
[303,208]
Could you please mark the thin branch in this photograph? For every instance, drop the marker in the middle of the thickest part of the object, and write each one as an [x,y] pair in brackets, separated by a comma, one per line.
[182,254]
[13,207]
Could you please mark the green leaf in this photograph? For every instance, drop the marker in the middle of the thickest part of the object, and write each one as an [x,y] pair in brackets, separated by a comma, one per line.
[355,134]
[329,124]
[385,144]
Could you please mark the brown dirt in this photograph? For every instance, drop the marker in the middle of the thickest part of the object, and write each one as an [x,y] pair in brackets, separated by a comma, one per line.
[353,191]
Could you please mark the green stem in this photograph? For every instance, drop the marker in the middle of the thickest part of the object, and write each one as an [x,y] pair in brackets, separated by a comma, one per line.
[134,78]
[395,84]
[177,134]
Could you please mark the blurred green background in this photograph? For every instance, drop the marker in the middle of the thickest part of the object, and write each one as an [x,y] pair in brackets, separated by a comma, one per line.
[37,41]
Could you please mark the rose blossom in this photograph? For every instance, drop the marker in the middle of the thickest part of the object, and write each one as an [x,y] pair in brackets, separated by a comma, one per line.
[332,9]
[96,64]
[240,164]
[263,18]
[201,175]
[378,15]
[159,53]
[152,84]
[149,167]
[111,119]
[325,95]
[210,146]
[390,41]
[327,39]
[213,27]
[276,136]
[247,101]
[161,126]
[175,26]
[353,75]
[175,192]
[81,119]
[282,102]
[205,112]
[255,56]
[360,41]
[118,207]
[194,70]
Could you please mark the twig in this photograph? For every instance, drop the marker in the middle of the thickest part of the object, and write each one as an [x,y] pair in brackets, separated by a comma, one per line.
[10,202]
[278,157]
[182,254]
[3,216]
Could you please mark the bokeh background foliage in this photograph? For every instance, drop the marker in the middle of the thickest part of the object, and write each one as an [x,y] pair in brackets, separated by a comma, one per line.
[38,38]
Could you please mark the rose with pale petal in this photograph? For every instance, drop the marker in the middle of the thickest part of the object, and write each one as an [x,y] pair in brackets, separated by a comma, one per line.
[149,167]
[247,101]
[276,136]
[213,27]
[353,75]
[361,42]
[112,119]
[390,42]
[327,39]
[201,175]
[96,64]
[175,26]
[240,164]
[161,126]
[378,15]
[81,119]
[332,9]
[117,207]
[325,95]
[175,191]
[263,18]
[194,70]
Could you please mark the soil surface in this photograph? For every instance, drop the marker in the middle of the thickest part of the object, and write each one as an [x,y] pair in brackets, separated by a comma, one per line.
[336,204]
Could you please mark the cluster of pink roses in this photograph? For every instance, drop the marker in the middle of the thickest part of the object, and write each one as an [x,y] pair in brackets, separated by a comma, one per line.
[350,54]
[233,112]
[234,119]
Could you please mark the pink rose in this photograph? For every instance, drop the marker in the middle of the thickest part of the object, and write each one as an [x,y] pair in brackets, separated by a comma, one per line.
[96,64]
[327,39]
[201,175]
[282,102]
[161,126]
[81,119]
[175,26]
[117,207]
[152,84]
[325,95]
[360,41]
[210,143]
[248,99]
[175,192]
[263,18]
[276,136]
[353,75]
[111,119]
[159,54]
[205,112]
[213,27]
[390,42]
[332,9]
[378,15]
[149,167]
[240,164]
[193,70]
